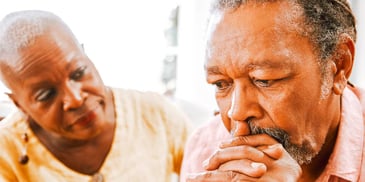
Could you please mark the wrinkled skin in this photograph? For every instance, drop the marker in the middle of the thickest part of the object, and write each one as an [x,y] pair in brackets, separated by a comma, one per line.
[68,107]
[267,74]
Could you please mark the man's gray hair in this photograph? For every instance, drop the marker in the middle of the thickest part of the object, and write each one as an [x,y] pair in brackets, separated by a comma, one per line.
[324,20]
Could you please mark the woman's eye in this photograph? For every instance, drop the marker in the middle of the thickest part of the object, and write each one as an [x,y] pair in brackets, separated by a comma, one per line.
[263,83]
[222,85]
[45,95]
[78,74]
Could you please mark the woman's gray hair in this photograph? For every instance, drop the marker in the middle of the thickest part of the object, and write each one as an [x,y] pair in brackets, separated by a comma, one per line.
[19,30]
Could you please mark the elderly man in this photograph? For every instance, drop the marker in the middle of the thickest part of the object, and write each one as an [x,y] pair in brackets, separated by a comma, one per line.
[281,69]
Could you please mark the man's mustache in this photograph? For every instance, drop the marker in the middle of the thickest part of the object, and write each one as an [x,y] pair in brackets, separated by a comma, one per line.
[278,134]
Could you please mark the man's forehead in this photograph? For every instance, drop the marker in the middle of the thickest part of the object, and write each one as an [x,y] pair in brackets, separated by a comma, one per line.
[252,25]
[258,35]
[264,16]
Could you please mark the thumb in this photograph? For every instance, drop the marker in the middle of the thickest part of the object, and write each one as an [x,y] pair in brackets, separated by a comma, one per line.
[274,151]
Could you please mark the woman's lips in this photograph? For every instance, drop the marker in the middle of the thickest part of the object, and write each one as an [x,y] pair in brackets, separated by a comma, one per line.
[85,120]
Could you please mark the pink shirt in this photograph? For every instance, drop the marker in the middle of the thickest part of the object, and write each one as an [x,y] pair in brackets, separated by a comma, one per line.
[346,163]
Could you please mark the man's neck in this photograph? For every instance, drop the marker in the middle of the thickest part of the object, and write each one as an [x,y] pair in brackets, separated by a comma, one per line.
[313,170]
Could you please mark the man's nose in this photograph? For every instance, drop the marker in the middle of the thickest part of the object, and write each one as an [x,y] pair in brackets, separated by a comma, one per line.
[244,108]
[73,96]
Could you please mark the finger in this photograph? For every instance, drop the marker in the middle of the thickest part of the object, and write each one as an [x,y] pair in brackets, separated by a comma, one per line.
[275,151]
[233,153]
[218,176]
[247,167]
[251,140]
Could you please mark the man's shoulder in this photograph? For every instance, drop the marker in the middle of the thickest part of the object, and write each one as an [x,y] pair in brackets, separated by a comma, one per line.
[360,94]
[210,133]
[201,144]
[358,91]
[214,124]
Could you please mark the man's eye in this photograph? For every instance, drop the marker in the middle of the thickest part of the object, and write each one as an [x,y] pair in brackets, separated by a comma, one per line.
[263,83]
[78,74]
[222,85]
[45,95]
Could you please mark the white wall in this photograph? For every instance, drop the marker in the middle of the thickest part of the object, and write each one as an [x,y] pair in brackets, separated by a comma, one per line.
[125,41]
[191,84]
[358,74]
[123,38]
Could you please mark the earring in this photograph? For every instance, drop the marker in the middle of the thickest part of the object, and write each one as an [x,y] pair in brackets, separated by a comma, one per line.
[23,159]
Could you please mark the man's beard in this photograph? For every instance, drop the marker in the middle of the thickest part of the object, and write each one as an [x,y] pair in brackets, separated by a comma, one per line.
[303,154]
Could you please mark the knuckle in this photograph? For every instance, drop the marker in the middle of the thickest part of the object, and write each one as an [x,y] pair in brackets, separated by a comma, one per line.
[280,146]
[269,139]
[239,178]
[243,140]
[217,154]
[231,175]
[208,175]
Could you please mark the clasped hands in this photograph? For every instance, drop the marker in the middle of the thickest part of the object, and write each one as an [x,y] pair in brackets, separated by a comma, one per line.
[249,158]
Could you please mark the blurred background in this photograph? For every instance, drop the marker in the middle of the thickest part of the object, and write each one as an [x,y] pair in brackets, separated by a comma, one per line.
[152,45]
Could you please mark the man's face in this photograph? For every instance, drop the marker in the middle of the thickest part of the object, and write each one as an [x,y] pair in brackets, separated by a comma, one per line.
[267,77]
[57,85]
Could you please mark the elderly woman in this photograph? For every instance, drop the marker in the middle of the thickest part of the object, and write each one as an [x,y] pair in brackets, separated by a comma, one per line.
[70,126]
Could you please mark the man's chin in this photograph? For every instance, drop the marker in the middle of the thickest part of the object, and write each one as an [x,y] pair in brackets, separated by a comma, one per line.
[302,154]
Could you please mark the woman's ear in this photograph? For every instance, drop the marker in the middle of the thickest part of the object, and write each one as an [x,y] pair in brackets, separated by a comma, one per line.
[13,98]
[343,58]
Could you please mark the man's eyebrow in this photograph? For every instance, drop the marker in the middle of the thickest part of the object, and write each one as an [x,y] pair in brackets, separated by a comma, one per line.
[215,70]
[269,65]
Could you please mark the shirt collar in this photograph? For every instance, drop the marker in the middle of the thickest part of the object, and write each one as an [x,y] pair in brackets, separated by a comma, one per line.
[345,160]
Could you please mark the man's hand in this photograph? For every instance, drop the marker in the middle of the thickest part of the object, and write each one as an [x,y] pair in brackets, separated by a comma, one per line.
[250,158]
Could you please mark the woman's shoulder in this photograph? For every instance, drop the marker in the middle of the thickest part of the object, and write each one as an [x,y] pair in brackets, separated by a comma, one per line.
[137,98]
[13,123]
[12,127]
[149,107]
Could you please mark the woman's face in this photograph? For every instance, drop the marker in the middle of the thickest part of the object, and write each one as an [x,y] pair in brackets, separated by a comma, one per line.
[58,87]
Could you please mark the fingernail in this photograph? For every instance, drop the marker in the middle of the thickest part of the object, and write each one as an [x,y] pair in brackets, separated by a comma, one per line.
[195,176]
[274,146]
[191,176]
[234,129]
[256,165]
[225,143]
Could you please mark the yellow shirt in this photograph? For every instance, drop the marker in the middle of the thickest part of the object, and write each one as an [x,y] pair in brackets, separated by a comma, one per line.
[148,144]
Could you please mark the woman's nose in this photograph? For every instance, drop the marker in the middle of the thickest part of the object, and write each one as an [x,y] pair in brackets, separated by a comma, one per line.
[73,96]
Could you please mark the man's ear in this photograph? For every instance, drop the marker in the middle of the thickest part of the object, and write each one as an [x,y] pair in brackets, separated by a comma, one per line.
[343,58]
